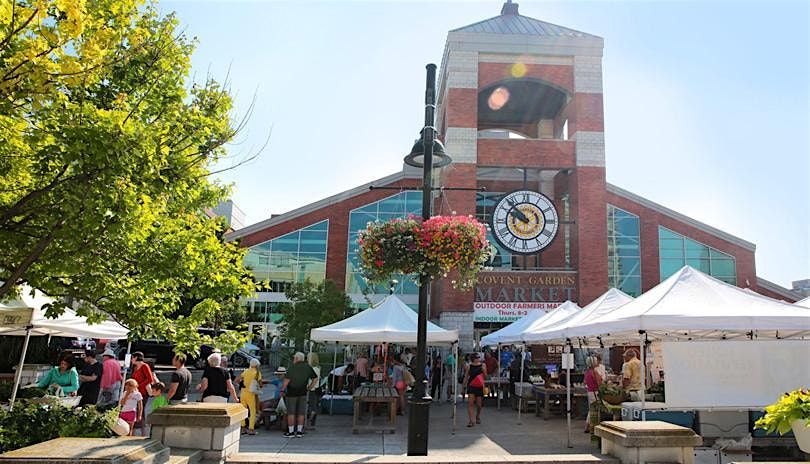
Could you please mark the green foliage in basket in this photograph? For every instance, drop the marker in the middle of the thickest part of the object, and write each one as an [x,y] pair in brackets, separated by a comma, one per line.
[791,406]
[30,423]
[22,393]
[609,389]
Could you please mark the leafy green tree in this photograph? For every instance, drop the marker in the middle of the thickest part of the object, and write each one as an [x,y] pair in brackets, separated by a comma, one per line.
[106,150]
[312,305]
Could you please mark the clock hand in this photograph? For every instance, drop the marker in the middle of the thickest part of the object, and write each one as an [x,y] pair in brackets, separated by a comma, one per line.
[518,214]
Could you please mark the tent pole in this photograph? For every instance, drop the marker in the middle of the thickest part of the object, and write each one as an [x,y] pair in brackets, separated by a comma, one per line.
[568,355]
[18,374]
[441,372]
[642,349]
[126,370]
[332,386]
[520,397]
[455,383]
[498,393]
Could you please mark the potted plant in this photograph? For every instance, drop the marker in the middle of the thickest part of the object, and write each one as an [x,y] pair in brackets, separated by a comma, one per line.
[791,412]
[431,248]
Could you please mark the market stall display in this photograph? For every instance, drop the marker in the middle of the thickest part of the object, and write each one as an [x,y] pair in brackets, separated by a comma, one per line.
[27,318]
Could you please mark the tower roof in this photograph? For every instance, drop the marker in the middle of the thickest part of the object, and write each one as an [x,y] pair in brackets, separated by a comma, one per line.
[512,22]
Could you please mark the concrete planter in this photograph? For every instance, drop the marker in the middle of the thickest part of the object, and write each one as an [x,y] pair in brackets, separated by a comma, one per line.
[801,430]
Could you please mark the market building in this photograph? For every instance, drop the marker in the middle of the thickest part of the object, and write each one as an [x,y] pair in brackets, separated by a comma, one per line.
[520,111]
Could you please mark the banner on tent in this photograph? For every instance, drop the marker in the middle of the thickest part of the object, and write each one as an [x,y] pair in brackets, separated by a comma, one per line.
[507,311]
[733,373]
[16,317]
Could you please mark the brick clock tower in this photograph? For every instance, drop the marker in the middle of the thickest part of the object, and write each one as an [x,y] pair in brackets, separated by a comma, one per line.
[520,108]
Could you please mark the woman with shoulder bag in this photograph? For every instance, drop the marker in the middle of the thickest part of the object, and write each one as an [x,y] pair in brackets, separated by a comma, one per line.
[252,379]
[474,377]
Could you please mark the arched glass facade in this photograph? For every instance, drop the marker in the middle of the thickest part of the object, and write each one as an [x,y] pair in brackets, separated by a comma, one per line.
[396,206]
[675,251]
[293,257]
[624,251]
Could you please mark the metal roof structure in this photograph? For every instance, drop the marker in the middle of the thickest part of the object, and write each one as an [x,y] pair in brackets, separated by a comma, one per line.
[511,22]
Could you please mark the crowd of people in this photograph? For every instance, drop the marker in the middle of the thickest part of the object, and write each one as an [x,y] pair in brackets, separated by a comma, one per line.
[296,391]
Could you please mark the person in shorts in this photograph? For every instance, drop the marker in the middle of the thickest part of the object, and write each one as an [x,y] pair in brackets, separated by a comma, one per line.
[301,378]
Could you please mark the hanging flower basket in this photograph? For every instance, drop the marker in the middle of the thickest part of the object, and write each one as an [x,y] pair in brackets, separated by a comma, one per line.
[432,248]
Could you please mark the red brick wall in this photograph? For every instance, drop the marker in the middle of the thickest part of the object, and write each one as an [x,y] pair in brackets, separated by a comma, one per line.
[529,153]
[770,294]
[338,216]
[462,108]
[589,114]
[649,220]
[589,252]
[560,75]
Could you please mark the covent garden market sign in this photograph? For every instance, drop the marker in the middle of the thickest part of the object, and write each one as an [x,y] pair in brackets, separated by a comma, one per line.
[508,296]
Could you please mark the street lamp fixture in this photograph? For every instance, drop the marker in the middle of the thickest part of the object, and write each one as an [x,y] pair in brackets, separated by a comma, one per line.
[416,157]
[422,155]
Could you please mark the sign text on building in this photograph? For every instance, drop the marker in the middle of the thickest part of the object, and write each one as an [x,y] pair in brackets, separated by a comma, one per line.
[535,287]
[507,311]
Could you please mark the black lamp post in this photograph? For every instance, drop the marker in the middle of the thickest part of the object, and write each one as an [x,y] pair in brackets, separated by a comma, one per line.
[422,155]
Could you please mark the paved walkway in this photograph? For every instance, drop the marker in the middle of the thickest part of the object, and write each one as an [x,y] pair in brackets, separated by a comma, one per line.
[499,435]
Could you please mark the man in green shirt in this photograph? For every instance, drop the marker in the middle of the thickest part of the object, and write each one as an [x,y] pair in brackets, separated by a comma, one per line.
[300,379]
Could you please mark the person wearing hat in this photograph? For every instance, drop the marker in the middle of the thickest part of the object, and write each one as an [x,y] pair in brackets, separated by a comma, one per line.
[90,379]
[110,379]
[278,382]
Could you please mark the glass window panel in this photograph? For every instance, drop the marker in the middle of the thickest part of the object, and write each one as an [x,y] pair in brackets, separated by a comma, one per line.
[288,243]
[388,216]
[627,227]
[393,205]
[666,233]
[315,245]
[718,254]
[628,266]
[631,285]
[695,249]
[322,226]
[370,208]
[670,253]
[670,266]
[728,280]
[670,244]
[359,221]
[701,265]
[313,256]
[723,267]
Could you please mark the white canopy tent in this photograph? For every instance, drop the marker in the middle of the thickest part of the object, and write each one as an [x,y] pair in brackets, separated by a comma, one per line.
[25,316]
[535,321]
[805,303]
[606,303]
[390,321]
[692,305]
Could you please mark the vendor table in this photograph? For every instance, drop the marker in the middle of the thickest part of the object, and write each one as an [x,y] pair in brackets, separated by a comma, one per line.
[375,394]
[546,394]
[496,384]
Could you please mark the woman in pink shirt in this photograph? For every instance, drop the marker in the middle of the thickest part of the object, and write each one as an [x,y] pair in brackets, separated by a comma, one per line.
[592,382]
[110,379]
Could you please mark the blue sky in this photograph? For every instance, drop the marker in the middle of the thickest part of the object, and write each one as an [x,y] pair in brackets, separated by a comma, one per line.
[707,104]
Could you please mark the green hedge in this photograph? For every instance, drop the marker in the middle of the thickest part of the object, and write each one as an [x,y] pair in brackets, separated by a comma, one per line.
[30,423]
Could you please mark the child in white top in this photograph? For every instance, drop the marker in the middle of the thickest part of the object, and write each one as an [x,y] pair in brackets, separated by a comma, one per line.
[131,404]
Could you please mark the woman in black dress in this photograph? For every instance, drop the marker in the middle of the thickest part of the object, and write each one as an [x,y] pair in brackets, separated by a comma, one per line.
[474,377]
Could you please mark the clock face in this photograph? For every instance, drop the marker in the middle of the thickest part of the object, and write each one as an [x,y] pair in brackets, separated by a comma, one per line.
[524,222]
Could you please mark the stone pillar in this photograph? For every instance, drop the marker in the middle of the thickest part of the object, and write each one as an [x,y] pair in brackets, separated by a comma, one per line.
[635,442]
[212,428]
[129,450]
